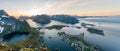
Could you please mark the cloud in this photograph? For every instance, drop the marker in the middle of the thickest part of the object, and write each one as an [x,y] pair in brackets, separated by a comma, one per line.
[69,3]
[61,3]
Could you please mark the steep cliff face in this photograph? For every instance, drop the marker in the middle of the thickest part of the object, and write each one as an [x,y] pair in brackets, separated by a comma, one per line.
[10,24]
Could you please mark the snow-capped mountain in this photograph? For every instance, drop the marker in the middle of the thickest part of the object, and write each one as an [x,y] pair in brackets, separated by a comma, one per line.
[9,24]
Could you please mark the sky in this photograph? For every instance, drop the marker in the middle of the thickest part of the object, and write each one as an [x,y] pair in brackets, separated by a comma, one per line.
[69,7]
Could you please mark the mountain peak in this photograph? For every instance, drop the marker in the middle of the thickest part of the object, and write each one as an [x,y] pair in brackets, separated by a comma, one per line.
[2,12]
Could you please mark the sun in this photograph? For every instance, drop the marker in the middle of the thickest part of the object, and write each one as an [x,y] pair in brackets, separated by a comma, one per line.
[34,12]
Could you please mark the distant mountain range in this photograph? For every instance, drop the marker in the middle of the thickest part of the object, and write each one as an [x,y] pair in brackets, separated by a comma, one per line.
[65,19]
[45,19]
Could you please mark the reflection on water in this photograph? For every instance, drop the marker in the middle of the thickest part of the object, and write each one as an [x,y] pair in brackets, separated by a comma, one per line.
[15,37]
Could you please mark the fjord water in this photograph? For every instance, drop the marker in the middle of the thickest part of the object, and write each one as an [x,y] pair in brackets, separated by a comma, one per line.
[110,41]
[55,41]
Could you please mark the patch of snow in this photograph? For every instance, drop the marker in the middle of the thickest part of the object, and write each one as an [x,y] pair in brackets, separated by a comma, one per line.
[2,22]
[0,18]
[4,16]
[1,29]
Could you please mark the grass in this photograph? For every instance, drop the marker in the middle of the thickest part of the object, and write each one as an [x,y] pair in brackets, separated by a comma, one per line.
[33,41]
[4,47]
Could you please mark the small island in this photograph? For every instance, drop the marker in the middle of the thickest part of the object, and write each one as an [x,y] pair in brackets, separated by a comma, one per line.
[86,25]
[97,31]
[57,27]
[78,27]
